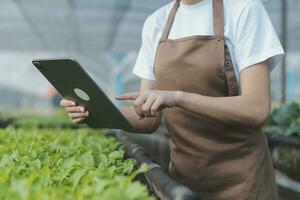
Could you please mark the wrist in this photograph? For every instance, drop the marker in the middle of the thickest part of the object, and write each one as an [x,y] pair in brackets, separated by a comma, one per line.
[179,95]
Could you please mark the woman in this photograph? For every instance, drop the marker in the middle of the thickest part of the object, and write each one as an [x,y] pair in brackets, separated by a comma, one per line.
[205,67]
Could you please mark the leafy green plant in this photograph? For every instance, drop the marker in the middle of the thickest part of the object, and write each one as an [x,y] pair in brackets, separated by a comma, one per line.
[285,120]
[38,164]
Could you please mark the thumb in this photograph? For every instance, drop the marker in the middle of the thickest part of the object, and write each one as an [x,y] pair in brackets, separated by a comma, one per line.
[128,96]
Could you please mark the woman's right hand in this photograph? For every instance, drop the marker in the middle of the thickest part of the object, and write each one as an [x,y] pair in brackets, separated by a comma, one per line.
[77,113]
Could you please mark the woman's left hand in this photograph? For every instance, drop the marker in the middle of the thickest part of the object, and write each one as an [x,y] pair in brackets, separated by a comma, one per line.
[148,103]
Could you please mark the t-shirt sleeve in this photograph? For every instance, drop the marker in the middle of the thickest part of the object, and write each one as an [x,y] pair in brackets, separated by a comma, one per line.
[145,59]
[256,40]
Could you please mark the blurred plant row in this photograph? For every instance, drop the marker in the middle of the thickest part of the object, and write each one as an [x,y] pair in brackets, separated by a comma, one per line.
[57,120]
[284,123]
[285,120]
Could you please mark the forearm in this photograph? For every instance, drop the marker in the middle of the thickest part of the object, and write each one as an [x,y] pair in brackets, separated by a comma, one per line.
[146,125]
[240,110]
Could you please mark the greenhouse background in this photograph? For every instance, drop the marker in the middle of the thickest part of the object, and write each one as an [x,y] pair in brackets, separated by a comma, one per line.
[105,36]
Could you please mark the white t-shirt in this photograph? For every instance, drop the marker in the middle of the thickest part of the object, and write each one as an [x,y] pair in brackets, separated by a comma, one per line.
[249,33]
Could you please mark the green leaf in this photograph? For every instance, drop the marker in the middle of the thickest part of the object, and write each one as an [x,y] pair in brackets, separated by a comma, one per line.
[69,163]
[294,129]
[143,168]
[88,160]
[286,114]
[35,164]
[76,177]
[104,162]
[6,161]
[128,166]
[116,155]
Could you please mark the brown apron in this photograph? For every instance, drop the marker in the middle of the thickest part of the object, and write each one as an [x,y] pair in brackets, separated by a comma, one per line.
[218,160]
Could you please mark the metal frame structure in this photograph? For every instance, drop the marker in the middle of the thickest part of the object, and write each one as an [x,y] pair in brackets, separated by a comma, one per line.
[284,22]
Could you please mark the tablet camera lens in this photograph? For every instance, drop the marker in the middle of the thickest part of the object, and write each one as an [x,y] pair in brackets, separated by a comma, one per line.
[39,66]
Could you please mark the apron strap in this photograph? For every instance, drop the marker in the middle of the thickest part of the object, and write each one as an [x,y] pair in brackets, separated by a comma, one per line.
[170,21]
[218,9]
[218,15]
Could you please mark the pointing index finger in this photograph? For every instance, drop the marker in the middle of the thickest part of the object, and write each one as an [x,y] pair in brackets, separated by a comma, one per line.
[128,96]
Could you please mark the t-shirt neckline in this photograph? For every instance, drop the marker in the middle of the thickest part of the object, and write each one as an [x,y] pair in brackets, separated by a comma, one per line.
[193,7]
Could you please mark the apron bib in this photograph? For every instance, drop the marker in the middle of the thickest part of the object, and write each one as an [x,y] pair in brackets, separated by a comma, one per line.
[217,160]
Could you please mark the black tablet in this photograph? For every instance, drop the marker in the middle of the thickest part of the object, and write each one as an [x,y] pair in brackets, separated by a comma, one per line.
[74,83]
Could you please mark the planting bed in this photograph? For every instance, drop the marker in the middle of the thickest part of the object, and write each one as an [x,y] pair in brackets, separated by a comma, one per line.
[66,164]
[51,158]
